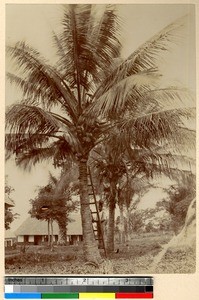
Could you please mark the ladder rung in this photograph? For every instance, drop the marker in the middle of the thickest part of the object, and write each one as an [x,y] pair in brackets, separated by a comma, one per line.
[92,203]
[93,212]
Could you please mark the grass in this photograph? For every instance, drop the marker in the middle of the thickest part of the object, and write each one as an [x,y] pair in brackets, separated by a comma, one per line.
[134,258]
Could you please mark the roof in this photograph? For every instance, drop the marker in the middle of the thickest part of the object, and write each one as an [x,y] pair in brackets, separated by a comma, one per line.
[8,201]
[75,226]
[32,226]
[9,234]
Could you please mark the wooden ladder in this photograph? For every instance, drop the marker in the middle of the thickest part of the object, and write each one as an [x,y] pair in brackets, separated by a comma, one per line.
[98,232]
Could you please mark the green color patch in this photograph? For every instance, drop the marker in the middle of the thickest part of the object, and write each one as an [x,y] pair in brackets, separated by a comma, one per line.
[60,296]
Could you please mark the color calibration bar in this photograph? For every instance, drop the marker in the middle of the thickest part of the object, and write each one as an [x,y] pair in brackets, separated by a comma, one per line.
[79,296]
[78,287]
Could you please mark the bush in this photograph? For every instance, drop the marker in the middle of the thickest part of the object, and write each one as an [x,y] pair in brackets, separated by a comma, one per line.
[180,199]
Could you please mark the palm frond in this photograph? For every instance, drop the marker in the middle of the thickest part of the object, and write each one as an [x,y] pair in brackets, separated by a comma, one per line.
[52,179]
[159,115]
[104,38]
[31,127]
[159,126]
[45,77]
[22,118]
[172,96]
[90,42]
[27,160]
[28,88]
[16,143]
[57,152]
[61,50]
[156,161]
[139,92]
[145,57]
[74,62]
[123,95]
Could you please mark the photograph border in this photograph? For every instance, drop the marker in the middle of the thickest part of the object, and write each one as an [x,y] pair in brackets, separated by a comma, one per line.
[166,286]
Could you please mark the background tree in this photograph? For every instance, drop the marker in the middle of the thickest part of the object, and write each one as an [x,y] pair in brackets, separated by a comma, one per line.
[63,188]
[41,209]
[54,203]
[180,196]
[130,192]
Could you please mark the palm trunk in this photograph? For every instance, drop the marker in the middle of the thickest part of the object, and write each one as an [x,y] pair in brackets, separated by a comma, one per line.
[111,228]
[48,232]
[121,227]
[90,247]
[51,227]
[111,220]
[62,232]
[128,214]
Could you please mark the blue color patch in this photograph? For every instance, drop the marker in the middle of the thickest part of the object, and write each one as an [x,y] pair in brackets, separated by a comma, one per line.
[22,295]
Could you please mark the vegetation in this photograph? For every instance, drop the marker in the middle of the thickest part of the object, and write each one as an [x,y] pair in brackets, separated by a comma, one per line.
[9,215]
[134,259]
[179,199]
[97,93]
[150,220]
[9,218]
[54,202]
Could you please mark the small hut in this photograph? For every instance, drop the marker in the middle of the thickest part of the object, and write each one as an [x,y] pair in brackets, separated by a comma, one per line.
[10,238]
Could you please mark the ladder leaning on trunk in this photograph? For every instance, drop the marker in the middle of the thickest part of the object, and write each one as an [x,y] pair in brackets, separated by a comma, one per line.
[98,230]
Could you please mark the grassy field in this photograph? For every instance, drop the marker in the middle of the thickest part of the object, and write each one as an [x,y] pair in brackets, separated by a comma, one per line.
[134,258]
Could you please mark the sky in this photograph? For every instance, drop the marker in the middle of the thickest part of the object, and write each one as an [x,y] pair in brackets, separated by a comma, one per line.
[34,24]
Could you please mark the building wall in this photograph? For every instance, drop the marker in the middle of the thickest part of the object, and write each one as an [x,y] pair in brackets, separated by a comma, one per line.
[31,239]
[75,239]
[20,239]
[72,239]
[8,242]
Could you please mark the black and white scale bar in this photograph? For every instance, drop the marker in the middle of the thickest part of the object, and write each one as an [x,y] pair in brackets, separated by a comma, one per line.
[79,280]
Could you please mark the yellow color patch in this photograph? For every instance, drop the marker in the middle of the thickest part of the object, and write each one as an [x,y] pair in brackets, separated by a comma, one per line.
[96,295]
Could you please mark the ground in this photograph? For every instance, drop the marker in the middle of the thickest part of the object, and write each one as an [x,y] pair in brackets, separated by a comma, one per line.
[134,258]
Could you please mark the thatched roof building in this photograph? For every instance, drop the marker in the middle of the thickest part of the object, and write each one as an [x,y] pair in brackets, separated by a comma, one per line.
[36,231]
[10,237]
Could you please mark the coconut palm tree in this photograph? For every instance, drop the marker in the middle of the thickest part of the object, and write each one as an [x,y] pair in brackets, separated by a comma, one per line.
[107,162]
[69,107]
[125,171]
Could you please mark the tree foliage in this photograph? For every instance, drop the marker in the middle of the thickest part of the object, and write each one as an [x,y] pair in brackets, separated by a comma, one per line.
[94,91]
[179,199]
[50,204]
[9,215]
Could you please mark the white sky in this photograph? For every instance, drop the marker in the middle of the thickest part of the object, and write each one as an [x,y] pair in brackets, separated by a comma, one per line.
[34,24]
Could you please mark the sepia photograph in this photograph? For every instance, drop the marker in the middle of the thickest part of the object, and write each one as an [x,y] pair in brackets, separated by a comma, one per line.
[100,139]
